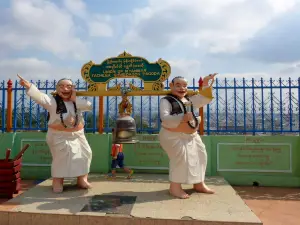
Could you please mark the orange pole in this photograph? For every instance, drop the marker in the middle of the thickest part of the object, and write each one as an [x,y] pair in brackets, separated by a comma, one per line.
[101,115]
[201,125]
[9,106]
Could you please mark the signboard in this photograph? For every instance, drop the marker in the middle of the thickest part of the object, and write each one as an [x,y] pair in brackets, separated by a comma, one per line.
[254,157]
[126,66]
[147,154]
[38,154]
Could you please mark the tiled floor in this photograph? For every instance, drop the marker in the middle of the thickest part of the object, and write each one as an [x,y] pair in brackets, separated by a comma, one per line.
[274,206]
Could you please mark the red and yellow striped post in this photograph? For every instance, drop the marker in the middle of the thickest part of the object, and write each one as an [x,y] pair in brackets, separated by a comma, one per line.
[101,115]
[9,106]
[201,125]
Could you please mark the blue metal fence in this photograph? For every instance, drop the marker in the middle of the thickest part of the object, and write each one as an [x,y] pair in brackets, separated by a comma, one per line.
[240,106]
[2,105]
[254,106]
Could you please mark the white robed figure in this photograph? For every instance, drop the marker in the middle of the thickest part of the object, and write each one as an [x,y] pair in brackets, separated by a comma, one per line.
[179,138]
[71,153]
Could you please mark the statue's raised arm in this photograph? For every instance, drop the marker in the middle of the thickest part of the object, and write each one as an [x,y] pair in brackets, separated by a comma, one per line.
[23,82]
[210,77]
[32,91]
[205,95]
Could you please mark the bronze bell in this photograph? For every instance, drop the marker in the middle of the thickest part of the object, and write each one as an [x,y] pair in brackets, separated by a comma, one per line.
[125,130]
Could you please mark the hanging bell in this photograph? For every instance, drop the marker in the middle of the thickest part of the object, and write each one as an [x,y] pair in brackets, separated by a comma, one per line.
[125,131]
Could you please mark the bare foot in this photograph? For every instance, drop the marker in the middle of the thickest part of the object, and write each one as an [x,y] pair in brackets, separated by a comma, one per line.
[83,183]
[179,193]
[57,185]
[203,188]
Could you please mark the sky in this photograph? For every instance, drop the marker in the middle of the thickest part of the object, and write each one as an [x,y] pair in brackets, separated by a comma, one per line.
[43,39]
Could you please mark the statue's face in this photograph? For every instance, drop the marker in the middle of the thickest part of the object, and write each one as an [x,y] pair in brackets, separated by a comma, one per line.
[64,89]
[179,87]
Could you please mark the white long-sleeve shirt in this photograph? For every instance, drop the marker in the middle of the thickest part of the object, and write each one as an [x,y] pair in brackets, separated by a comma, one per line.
[173,121]
[49,103]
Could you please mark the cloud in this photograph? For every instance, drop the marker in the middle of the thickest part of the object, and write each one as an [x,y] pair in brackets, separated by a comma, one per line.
[216,25]
[277,43]
[99,27]
[251,38]
[240,76]
[33,68]
[289,70]
[98,24]
[186,68]
[41,25]
[76,7]
[46,27]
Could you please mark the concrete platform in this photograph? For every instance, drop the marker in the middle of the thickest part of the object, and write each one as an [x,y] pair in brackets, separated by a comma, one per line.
[152,205]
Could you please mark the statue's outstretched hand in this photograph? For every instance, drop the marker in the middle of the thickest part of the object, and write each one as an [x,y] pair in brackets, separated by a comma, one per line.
[208,78]
[24,82]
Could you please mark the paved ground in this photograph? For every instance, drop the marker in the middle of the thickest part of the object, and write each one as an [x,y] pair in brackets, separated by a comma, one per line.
[273,206]
[144,198]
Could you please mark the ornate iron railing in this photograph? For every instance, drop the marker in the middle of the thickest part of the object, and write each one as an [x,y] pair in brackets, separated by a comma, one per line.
[240,106]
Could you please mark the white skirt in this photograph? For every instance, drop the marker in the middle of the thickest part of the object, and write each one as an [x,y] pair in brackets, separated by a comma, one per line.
[71,153]
[187,155]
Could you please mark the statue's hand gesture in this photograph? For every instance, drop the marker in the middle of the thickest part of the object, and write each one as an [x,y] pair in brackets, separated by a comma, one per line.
[208,78]
[23,82]
[73,95]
